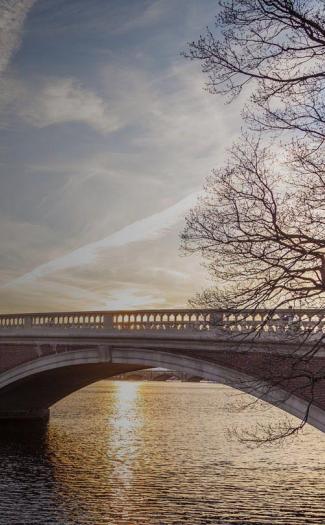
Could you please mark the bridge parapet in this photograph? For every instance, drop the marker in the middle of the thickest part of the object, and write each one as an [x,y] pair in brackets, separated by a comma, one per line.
[114,320]
[229,321]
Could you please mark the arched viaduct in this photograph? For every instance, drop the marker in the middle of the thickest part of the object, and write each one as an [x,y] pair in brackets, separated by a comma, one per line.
[44,357]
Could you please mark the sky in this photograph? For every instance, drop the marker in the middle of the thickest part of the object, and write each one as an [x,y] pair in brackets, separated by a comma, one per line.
[106,137]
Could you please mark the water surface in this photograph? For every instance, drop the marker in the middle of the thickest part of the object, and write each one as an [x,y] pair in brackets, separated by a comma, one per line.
[156,453]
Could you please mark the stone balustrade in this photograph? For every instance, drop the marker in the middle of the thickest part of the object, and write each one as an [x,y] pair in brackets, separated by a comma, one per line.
[245,321]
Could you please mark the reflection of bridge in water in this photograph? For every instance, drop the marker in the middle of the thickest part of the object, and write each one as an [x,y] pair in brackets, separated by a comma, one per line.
[44,357]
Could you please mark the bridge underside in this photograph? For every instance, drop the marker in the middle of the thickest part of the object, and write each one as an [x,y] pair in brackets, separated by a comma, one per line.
[32,396]
[34,377]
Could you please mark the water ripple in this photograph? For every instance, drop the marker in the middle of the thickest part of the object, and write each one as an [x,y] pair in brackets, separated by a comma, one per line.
[122,453]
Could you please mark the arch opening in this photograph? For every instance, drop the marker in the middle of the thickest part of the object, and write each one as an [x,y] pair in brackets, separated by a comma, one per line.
[29,390]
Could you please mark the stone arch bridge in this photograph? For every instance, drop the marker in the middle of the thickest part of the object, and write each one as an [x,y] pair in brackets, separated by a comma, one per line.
[44,357]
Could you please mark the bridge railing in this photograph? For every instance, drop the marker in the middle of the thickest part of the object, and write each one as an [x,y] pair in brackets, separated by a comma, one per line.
[285,320]
[118,320]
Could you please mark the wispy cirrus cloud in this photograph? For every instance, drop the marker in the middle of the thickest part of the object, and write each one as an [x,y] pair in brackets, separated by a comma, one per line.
[12,17]
[61,100]
[149,228]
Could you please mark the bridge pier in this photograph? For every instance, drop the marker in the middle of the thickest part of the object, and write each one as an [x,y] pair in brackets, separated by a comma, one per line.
[40,414]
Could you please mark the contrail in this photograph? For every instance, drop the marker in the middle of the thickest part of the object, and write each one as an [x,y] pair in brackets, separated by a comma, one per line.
[148,228]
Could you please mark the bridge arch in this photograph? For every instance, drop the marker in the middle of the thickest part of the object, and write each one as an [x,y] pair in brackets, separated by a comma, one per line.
[30,389]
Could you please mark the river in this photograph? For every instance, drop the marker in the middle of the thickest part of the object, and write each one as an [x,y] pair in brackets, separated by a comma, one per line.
[140,453]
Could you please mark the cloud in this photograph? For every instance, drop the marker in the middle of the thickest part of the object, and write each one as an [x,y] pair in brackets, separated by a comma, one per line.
[126,277]
[61,100]
[12,17]
[70,297]
[149,228]
[148,16]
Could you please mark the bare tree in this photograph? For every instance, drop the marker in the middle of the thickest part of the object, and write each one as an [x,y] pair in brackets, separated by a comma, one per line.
[279,47]
[261,233]
[260,224]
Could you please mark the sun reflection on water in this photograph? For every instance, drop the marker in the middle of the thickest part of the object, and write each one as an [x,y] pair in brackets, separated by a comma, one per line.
[125,424]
